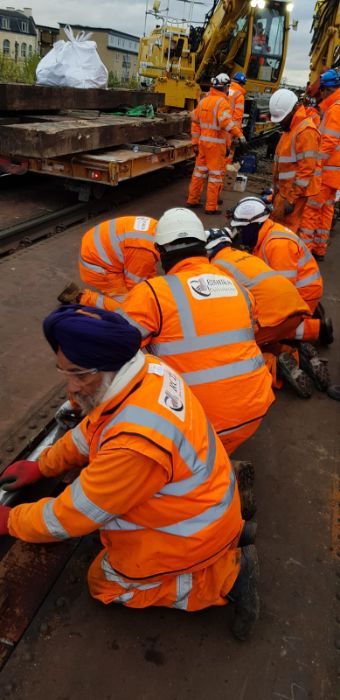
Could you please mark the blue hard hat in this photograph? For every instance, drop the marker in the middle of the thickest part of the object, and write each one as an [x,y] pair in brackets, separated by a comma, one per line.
[331,78]
[240,78]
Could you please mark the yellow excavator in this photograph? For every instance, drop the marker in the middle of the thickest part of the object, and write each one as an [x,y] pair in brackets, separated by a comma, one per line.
[237,35]
[325,48]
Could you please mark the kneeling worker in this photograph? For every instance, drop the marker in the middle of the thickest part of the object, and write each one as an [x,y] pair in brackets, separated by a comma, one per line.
[200,322]
[118,253]
[282,314]
[154,480]
[284,251]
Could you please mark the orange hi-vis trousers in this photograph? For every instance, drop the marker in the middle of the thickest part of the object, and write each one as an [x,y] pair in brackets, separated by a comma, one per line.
[210,165]
[317,220]
[293,328]
[187,591]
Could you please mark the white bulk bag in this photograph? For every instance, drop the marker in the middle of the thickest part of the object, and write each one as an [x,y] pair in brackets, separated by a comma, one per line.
[73,63]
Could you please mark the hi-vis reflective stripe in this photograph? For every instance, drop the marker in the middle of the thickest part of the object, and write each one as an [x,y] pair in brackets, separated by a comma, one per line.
[329,132]
[210,139]
[183,306]
[289,274]
[99,246]
[203,471]
[111,575]
[288,175]
[204,125]
[183,590]
[230,126]
[85,506]
[52,523]
[201,175]
[95,268]
[307,154]
[80,441]
[233,369]
[131,276]
[307,232]
[300,331]
[149,419]
[300,182]
[217,104]
[114,241]
[100,301]
[204,342]
[241,277]
[201,167]
[325,156]
[308,280]
[213,178]
[332,167]
[315,204]
[285,159]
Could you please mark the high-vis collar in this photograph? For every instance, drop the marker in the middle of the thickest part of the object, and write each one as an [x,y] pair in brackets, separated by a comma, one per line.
[123,382]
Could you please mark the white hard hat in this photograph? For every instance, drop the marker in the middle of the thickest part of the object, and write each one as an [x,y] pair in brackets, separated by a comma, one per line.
[281,104]
[221,79]
[179,223]
[216,236]
[248,211]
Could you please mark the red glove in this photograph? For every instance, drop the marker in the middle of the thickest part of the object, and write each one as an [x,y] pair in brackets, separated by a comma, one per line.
[20,474]
[4,515]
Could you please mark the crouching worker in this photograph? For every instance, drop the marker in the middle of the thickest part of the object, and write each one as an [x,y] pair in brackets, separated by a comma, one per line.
[117,254]
[155,479]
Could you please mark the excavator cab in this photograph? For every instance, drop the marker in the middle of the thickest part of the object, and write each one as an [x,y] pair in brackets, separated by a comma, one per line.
[261,39]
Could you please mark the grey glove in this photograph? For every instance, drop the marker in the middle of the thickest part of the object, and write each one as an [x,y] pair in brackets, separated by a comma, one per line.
[288,208]
[243,140]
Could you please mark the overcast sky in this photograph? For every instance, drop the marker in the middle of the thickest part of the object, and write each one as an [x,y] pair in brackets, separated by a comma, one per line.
[128,16]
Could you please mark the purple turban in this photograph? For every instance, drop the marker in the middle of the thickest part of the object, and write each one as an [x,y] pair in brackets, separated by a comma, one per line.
[92,338]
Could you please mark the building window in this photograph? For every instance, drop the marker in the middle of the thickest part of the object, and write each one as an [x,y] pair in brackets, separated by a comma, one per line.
[6,46]
[23,50]
[30,50]
[24,27]
[5,23]
[16,51]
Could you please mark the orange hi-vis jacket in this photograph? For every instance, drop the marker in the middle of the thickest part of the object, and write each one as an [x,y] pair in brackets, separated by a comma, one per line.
[118,253]
[314,114]
[296,169]
[285,252]
[330,140]
[155,481]
[212,120]
[276,297]
[199,321]
[236,99]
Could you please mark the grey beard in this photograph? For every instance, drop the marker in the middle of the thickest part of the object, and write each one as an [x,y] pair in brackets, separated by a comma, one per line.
[88,403]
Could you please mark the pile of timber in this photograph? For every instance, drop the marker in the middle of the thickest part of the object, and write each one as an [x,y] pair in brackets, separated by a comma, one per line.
[46,122]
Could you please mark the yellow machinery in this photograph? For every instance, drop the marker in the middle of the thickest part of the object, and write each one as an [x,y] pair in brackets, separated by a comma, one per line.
[325,50]
[238,35]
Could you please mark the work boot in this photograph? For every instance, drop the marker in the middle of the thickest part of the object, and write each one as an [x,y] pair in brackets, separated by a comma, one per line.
[220,200]
[314,366]
[334,392]
[70,295]
[248,534]
[326,335]
[209,212]
[245,476]
[296,377]
[244,594]
[195,205]
[319,258]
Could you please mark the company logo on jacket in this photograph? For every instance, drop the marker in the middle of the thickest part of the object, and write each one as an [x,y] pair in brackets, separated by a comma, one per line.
[212,286]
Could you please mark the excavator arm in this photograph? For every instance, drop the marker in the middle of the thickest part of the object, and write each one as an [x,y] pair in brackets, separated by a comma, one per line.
[325,49]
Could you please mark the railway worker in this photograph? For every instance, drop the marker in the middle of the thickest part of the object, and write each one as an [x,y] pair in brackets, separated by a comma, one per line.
[199,321]
[154,479]
[296,170]
[117,254]
[282,314]
[284,251]
[318,216]
[212,130]
[236,97]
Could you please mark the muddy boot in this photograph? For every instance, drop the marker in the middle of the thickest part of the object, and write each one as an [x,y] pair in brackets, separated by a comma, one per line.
[245,476]
[314,366]
[248,534]
[326,336]
[244,594]
[334,392]
[70,295]
[296,377]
